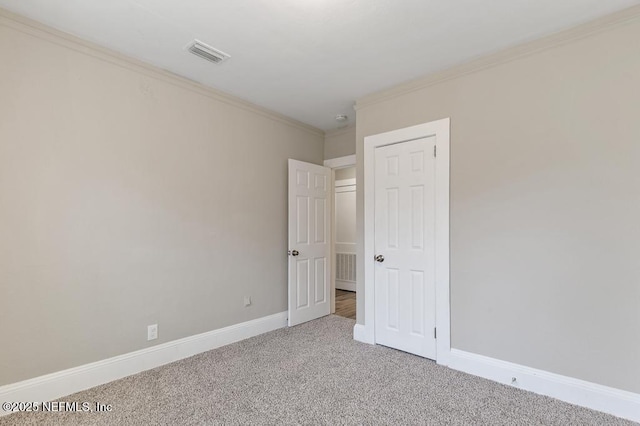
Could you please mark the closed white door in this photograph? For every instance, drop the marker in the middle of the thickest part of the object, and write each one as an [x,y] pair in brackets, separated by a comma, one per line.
[405,246]
[309,230]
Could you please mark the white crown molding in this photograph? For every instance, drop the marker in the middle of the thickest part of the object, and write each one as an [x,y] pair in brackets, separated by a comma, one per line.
[62,383]
[44,32]
[575,391]
[603,24]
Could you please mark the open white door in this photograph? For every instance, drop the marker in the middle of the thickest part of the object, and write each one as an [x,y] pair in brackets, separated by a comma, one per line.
[309,223]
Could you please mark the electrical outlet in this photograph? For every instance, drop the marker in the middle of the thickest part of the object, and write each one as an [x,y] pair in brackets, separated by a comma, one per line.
[152,332]
[247,300]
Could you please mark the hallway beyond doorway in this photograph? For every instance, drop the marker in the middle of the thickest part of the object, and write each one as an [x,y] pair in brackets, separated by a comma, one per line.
[346,304]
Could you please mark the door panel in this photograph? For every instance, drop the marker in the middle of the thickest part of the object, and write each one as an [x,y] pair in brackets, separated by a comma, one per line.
[302,277]
[392,302]
[321,220]
[417,303]
[302,213]
[309,260]
[405,236]
[321,280]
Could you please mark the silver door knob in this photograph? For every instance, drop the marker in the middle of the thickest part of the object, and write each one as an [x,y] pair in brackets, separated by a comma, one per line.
[379,258]
[294,252]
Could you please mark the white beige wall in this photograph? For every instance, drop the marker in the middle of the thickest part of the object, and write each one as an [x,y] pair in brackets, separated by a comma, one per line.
[340,143]
[545,202]
[346,173]
[130,197]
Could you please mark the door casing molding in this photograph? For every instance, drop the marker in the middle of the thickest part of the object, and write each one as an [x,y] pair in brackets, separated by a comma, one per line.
[341,162]
[440,129]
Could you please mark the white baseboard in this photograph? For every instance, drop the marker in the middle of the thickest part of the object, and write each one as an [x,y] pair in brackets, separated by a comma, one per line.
[362,334]
[579,392]
[345,285]
[66,382]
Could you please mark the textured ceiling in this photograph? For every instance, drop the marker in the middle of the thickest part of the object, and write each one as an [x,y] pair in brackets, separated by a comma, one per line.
[311,59]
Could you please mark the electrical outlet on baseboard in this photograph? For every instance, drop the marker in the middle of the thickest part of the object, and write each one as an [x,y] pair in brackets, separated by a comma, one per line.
[152,332]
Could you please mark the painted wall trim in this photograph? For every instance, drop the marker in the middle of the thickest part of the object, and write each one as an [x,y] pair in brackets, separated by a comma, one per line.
[345,182]
[441,130]
[66,382]
[506,55]
[340,162]
[345,285]
[43,32]
[363,334]
[575,391]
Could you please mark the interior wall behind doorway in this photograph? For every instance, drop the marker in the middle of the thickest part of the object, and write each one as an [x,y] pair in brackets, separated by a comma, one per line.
[340,142]
[345,234]
[346,173]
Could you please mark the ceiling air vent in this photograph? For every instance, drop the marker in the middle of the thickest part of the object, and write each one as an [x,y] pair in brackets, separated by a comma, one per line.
[207,52]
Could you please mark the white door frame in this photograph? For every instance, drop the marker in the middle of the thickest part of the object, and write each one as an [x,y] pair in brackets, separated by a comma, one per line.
[440,129]
[334,164]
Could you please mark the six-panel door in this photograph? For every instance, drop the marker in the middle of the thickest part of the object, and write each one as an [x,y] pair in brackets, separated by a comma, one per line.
[309,221]
[405,239]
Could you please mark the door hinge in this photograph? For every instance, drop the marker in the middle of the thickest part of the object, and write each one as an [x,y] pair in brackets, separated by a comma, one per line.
[434,150]
[435,333]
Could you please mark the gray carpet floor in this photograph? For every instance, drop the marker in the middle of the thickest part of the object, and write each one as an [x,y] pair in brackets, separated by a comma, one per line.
[314,373]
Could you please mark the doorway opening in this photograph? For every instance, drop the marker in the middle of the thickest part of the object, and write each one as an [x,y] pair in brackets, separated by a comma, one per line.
[343,238]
